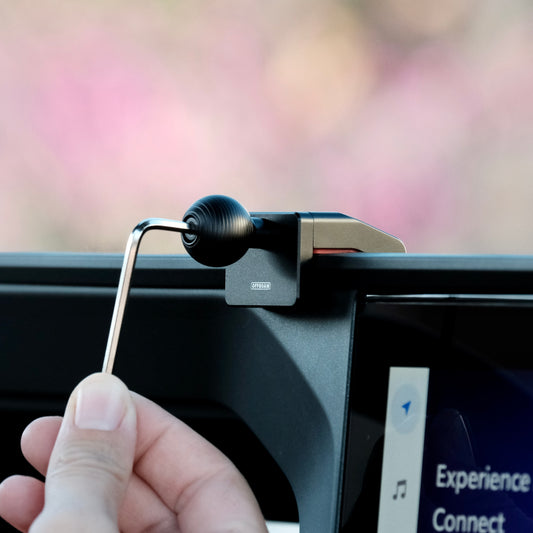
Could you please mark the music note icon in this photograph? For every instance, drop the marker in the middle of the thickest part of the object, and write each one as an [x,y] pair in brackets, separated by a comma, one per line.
[401,489]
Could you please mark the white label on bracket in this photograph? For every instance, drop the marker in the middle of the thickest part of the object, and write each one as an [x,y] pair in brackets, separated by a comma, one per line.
[260,285]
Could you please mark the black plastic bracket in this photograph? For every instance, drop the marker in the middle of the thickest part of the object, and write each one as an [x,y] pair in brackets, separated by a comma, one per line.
[270,275]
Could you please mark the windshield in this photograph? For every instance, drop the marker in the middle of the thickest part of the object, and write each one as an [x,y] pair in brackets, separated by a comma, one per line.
[415,117]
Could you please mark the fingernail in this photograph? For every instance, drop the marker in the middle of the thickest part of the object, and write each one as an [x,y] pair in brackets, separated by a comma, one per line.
[100,405]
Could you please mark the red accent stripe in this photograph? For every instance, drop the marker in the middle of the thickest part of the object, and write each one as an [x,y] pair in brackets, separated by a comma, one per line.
[326,251]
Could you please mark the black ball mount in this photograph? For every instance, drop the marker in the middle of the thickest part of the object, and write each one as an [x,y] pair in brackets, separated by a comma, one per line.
[223,231]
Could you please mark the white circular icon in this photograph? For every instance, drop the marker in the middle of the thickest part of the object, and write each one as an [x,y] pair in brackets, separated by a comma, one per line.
[405,408]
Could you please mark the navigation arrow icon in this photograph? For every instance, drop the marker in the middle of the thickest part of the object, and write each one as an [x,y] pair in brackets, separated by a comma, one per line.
[406,406]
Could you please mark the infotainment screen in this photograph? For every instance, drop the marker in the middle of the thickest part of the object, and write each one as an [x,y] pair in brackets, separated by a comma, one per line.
[441,418]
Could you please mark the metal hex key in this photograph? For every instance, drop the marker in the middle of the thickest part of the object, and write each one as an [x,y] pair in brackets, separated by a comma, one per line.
[130,257]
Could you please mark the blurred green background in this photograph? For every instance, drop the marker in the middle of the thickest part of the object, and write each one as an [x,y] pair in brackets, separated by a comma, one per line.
[415,116]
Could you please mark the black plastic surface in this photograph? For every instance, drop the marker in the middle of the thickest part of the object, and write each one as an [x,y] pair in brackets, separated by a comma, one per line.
[282,373]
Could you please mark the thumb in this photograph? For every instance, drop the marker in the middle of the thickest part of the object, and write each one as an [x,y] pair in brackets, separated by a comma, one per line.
[92,459]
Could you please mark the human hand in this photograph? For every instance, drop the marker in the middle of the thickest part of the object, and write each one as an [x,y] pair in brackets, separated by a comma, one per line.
[118,462]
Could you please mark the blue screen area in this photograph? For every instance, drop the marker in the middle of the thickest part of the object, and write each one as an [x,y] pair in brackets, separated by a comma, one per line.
[478,453]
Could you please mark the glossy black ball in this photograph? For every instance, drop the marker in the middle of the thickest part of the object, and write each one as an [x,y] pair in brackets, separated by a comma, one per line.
[222,231]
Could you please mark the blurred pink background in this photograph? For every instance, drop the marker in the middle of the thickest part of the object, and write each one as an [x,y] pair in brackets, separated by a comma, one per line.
[414,116]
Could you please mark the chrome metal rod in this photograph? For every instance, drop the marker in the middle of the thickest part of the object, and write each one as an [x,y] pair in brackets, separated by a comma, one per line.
[130,257]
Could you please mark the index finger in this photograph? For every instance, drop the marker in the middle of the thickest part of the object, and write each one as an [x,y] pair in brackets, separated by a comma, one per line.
[192,477]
